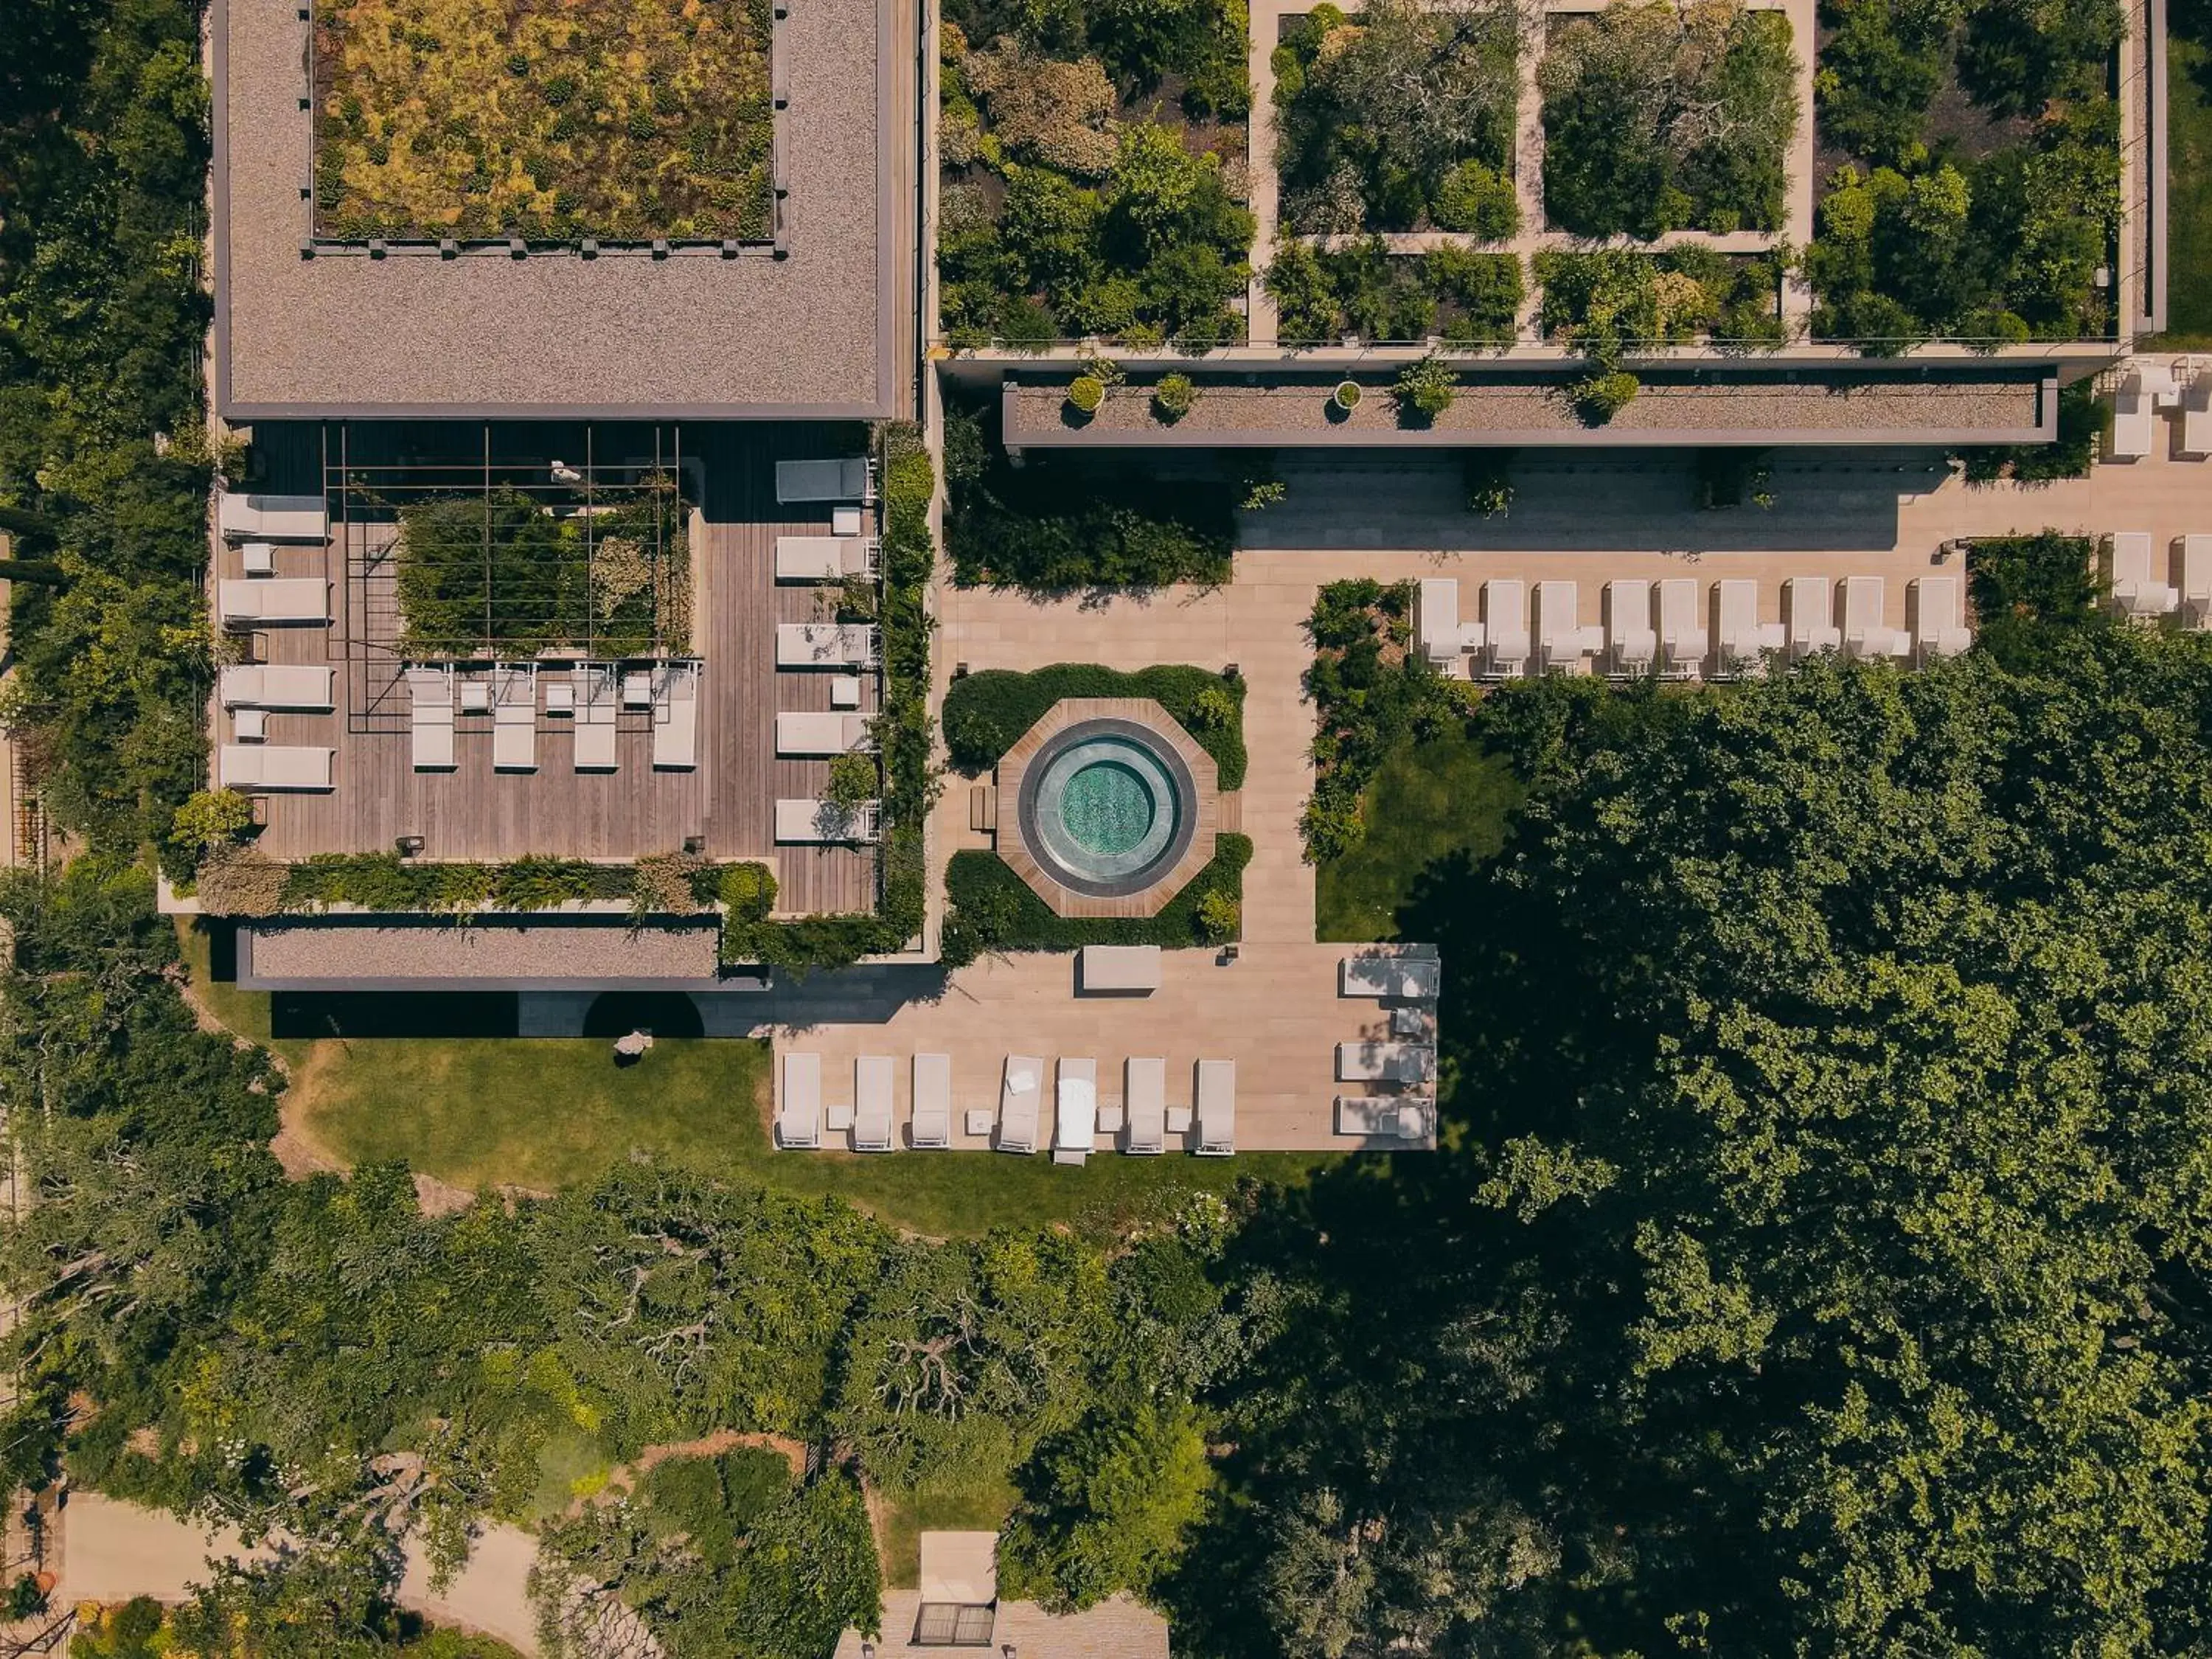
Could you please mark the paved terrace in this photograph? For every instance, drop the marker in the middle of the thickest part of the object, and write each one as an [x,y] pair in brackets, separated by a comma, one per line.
[1275,1011]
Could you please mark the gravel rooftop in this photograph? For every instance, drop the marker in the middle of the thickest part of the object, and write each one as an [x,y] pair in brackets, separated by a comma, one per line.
[331,950]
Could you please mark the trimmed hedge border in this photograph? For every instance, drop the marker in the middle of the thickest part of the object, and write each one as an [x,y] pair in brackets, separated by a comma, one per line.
[992,909]
[986,713]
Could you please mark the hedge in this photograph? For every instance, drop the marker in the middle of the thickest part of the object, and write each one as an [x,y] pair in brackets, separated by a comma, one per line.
[385,882]
[986,714]
[989,907]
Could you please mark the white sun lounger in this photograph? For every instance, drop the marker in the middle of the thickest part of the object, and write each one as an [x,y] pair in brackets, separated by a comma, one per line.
[596,699]
[430,719]
[246,599]
[1865,634]
[1938,618]
[1444,639]
[1144,1083]
[933,1102]
[816,734]
[1394,1117]
[1682,638]
[275,766]
[277,685]
[820,821]
[1020,1096]
[1075,1115]
[871,1104]
[1741,639]
[1810,626]
[2197,418]
[1216,1098]
[825,645]
[846,478]
[514,718]
[676,717]
[1562,643]
[2135,419]
[2196,580]
[251,518]
[824,558]
[1371,1061]
[799,1115]
[1409,978]
[1504,630]
[1631,644]
[2137,591]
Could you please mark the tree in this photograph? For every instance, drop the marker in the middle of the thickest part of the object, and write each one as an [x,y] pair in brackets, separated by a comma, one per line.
[1109,1506]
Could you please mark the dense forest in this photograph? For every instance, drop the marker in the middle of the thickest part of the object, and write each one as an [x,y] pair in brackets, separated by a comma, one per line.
[1817,1262]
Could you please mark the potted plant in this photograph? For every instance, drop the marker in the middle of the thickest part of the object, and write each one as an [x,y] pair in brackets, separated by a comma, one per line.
[1172,396]
[1084,393]
[1424,390]
[1345,397]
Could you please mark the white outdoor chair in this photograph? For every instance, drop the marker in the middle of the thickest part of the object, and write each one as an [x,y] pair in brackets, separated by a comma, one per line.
[1866,634]
[1145,1086]
[1563,645]
[676,717]
[799,1117]
[1938,618]
[1075,1116]
[1216,1099]
[595,696]
[871,1104]
[1810,602]
[1682,638]
[1631,644]
[1505,629]
[1020,1096]
[2135,419]
[277,685]
[514,718]
[430,719]
[2136,590]
[275,766]
[2196,580]
[933,1102]
[1743,640]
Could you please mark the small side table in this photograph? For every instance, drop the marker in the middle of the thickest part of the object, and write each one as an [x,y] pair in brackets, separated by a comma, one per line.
[1110,1120]
[845,691]
[840,1118]
[251,725]
[1178,1120]
[560,697]
[978,1120]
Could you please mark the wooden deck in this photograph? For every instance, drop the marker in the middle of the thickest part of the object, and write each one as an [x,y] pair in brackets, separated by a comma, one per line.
[474,813]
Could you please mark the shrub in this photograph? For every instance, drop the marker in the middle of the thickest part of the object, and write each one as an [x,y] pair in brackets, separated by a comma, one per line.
[747,891]
[986,714]
[1220,915]
[664,883]
[1172,396]
[211,819]
[539,883]
[1479,201]
[1214,710]
[1086,393]
[1424,390]
[989,907]
[1601,397]
[237,881]
[854,779]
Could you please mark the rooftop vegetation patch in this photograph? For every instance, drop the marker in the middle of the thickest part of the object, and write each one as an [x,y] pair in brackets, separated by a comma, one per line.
[1658,118]
[1614,302]
[506,570]
[622,119]
[1464,296]
[1094,173]
[1400,119]
[1977,188]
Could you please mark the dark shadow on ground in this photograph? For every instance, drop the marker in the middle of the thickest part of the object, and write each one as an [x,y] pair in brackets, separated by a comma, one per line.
[664,1013]
[303,1014]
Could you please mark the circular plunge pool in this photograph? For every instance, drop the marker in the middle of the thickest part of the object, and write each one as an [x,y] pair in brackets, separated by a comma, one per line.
[1106,807]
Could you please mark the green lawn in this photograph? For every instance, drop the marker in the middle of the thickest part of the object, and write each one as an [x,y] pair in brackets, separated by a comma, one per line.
[2189,192]
[1429,800]
[545,1113]
[981,1505]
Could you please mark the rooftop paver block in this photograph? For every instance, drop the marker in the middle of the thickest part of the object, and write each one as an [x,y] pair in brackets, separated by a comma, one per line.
[809,330]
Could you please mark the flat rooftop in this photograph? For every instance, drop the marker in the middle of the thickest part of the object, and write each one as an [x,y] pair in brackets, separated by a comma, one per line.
[822,326]
[343,953]
[1854,404]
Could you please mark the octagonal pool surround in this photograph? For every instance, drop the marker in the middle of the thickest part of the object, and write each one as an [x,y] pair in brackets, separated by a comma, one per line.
[1107,807]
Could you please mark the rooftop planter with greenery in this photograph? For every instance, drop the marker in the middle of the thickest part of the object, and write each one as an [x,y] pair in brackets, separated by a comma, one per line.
[1061,523]
[1614,302]
[1401,118]
[1464,297]
[989,909]
[1658,118]
[622,121]
[1094,165]
[1982,189]
[987,713]
[505,572]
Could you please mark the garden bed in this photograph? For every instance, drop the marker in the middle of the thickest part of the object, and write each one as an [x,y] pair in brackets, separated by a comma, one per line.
[449,119]
[1465,298]
[991,908]
[1979,193]
[1401,118]
[1094,174]
[1659,119]
[987,713]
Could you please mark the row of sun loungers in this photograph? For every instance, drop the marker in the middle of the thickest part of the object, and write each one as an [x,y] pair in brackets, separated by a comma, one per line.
[1659,628]
[586,695]
[2139,586]
[841,647]
[1078,1118]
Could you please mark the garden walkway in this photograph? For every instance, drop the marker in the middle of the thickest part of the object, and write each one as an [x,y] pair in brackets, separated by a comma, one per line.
[1267,20]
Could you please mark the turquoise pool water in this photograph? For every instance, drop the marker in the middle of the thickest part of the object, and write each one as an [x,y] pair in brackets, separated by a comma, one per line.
[1108,807]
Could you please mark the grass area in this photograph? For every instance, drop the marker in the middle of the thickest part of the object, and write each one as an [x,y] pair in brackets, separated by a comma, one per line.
[547,1113]
[2189,193]
[979,1506]
[621,118]
[1429,800]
